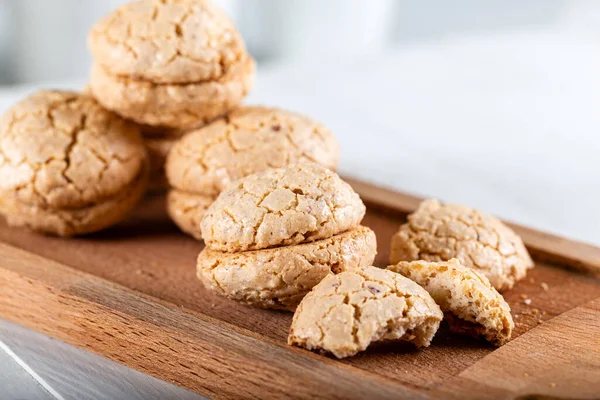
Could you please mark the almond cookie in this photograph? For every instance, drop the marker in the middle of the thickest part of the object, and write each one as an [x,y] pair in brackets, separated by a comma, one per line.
[280,207]
[249,140]
[439,232]
[280,277]
[178,105]
[187,210]
[471,303]
[167,41]
[67,166]
[347,312]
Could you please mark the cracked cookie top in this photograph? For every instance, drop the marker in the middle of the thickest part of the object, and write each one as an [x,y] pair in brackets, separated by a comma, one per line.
[249,140]
[477,308]
[439,232]
[345,313]
[60,149]
[167,41]
[279,207]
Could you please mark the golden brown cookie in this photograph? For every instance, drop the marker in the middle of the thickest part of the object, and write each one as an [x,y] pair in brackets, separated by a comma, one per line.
[280,207]
[439,232]
[187,210]
[249,140]
[167,41]
[67,166]
[471,303]
[280,277]
[173,105]
[347,312]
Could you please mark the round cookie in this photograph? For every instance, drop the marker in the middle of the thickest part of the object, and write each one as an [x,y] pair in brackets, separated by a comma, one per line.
[177,105]
[280,207]
[280,277]
[67,166]
[158,149]
[167,41]
[439,232]
[187,210]
[471,303]
[347,312]
[248,140]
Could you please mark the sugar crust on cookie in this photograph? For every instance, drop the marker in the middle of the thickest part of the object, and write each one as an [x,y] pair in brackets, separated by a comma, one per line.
[279,207]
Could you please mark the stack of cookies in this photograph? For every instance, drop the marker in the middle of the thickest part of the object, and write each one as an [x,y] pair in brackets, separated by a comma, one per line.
[248,140]
[67,165]
[272,236]
[168,65]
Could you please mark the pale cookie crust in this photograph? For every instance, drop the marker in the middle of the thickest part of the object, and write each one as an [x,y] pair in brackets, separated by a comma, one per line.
[345,313]
[173,105]
[187,209]
[478,309]
[158,149]
[279,278]
[439,232]
[75,221]
[280,207]
[172,41]
[249,140]
[61,153]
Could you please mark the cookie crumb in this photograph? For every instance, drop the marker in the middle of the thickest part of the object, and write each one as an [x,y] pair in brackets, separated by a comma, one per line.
[524,296]
[552,384]
[527,301]
[544,286]
[531,280]
[525,374]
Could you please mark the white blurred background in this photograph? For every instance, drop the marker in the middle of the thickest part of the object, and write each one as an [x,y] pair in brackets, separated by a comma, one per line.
[44,40]
[494,103]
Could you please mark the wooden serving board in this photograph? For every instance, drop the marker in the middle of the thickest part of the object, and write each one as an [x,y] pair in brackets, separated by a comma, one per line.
[130,294]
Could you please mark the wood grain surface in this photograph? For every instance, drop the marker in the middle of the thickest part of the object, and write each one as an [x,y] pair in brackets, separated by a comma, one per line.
[130,294]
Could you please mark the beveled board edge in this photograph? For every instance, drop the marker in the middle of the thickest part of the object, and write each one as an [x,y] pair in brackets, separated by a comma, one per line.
[542,246]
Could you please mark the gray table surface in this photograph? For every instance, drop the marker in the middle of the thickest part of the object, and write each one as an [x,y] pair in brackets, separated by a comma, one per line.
[34,366]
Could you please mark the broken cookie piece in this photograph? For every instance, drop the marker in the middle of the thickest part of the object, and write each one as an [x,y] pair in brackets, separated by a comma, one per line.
[439,232]
[470,303]
[347,312]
